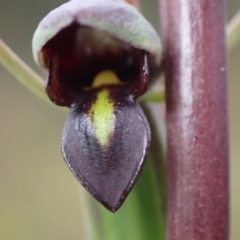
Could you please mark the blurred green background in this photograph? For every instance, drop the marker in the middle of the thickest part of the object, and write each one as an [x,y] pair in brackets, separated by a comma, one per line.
[39,197]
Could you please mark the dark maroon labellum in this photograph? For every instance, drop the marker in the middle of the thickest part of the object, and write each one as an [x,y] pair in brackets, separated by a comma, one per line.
[106,136]
[108,173]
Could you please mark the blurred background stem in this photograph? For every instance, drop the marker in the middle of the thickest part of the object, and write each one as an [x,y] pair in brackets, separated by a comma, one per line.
[22,72]
[233,32]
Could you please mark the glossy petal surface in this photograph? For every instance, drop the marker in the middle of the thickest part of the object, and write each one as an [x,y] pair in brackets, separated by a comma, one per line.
[108,173]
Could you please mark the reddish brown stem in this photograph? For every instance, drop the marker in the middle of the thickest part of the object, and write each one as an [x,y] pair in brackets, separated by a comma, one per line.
[135,3]
[196,92]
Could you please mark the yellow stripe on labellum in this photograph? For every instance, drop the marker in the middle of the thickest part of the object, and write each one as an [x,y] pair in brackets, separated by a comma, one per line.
[104,78]
[102,110]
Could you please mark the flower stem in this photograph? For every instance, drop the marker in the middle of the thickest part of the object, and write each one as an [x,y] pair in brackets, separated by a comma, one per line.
[233,31]
[156,95]
[21,71]
[158,150]
[197,122]
[135,3]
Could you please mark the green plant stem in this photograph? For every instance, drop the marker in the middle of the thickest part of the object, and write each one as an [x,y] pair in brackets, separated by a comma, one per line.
[233,32]
[158,149]
[22,72]
[157,95]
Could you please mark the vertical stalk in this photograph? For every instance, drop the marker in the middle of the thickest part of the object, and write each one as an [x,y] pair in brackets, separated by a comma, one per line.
[135,3]
[197,142]
[21,71]
[233,31]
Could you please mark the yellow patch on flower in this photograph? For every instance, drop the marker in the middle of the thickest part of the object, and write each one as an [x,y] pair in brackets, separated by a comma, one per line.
[104,78]
[102,111]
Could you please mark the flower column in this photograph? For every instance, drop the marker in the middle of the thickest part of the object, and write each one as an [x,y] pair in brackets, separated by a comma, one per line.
[194,41]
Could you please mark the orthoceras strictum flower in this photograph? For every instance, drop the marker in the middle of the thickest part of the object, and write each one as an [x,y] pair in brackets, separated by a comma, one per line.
[98,56]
